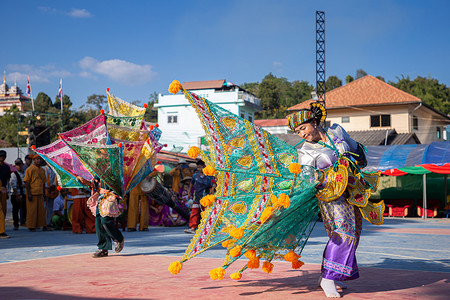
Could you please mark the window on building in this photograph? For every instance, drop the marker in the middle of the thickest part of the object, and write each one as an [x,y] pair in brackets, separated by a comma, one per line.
[250,118]
[380,120]
[438,133]
[242,115]
[415,123]
[345,119]
[172,119]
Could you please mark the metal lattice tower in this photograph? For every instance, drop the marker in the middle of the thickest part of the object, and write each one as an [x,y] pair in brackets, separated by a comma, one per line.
[320,56]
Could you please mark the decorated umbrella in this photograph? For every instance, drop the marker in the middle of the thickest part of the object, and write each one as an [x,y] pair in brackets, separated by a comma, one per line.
[117,147]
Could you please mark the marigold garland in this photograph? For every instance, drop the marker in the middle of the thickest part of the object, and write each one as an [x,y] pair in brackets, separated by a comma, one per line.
[236,276]
[209,170]
[295,168]
[253,263]
[291,256]
[175,86]
[175,267]
[284,200]
[250,254]
[226,243]
[267,212]
[236,251]
[237,233]
[274,200]
[296,264]
[208,200]
[217,273]
[193,152]
[267,267]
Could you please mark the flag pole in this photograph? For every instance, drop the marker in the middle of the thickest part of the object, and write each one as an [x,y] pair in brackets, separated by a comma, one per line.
[60,92]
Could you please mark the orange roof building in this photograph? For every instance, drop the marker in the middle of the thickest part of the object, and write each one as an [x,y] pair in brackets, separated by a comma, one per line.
[371,104]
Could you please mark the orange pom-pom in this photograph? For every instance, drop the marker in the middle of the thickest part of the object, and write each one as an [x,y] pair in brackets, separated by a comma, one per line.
[120,145]
[274,200]
[175,267]
[193,152]
[267,212]
[296,264]
[148,141]
[253,263]
[175,86]
[209,170]
[295,168]
[250,254]
[208,200]
[33,147]
[165,145]
[284,200]
[291,256]
[236,251]
[237,233]
[102,111]
[236,276]
[107,89]
[145,105]
[156,125]
[217,274]
[158,162]
[226,243]
[267,267]
[151,127]
[58,188]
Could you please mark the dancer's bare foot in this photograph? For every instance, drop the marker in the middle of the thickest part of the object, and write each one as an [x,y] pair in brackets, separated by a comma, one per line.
[338,283]
[329,288]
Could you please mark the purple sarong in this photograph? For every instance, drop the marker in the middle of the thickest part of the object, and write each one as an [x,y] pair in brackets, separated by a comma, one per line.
[343,223]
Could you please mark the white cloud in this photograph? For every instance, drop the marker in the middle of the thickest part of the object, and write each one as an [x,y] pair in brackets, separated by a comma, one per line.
[119,70]
[37,74]
[277,66]
[74,12]
[80,13]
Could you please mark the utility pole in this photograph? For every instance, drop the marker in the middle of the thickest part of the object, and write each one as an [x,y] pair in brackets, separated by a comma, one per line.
[320,56]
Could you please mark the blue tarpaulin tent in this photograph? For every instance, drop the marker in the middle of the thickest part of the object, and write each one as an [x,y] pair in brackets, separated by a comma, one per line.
[409,159]
[418,159]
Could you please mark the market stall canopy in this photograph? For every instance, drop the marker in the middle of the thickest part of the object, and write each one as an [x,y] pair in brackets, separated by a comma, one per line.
[400,160]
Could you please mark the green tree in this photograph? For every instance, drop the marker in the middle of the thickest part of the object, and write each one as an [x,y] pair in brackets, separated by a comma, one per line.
[348,79]
[42,102]
[11,122]
[332,83]
[431,92]
[151,113]
[360,73]
[381,78]
[97,101]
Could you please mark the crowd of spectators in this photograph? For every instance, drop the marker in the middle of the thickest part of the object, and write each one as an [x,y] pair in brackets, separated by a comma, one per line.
[37,203]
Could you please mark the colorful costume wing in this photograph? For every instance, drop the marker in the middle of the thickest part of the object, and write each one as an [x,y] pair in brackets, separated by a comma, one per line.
[117,147]
[65,163]
[92,132]
[253,178]
[121,108]
[105,161]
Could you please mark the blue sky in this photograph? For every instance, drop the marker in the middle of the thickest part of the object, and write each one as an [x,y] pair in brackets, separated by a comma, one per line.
[138,47]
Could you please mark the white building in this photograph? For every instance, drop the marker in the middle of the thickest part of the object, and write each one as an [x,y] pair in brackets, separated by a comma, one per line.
[179,122]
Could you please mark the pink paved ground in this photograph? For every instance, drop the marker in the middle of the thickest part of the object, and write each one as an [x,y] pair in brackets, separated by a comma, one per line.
[146,277]
[412,230]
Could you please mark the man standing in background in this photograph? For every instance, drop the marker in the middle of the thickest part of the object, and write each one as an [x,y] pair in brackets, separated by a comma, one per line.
[18,198]
[5,175]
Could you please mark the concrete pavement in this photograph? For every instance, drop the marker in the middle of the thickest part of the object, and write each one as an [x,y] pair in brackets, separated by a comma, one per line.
[403,259]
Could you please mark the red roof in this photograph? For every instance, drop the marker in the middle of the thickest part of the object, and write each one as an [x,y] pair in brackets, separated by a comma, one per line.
[201,85]
[367,90]
[271,122]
